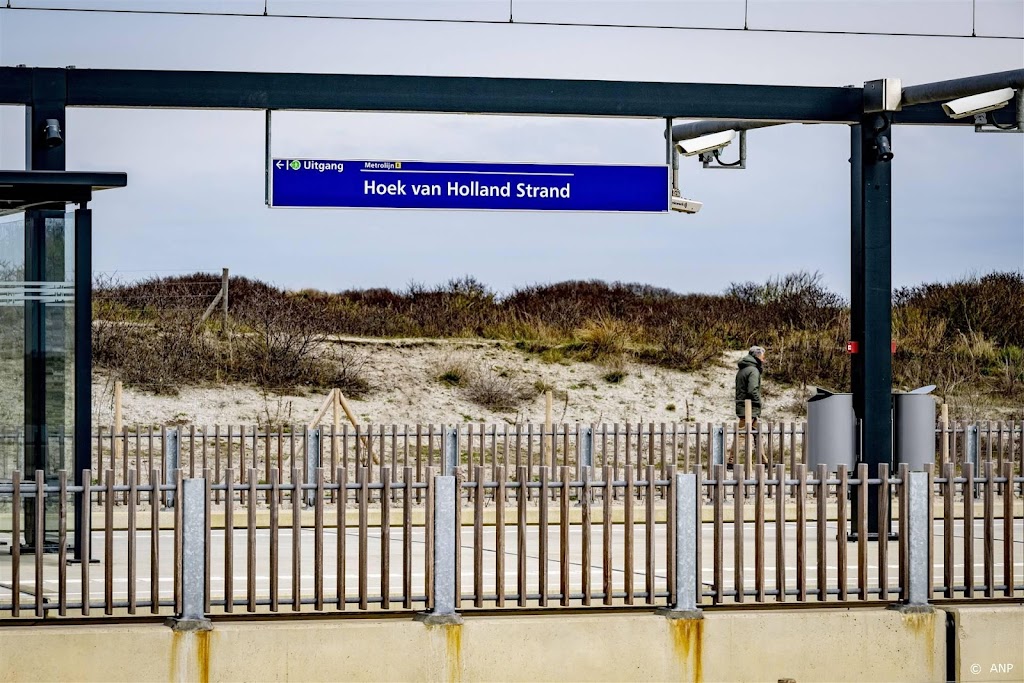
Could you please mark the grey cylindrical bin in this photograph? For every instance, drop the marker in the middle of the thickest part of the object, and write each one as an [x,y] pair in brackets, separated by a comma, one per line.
[914,428]
[831,430]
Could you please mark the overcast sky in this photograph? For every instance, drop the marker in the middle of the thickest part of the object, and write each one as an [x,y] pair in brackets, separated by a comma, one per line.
[195,199]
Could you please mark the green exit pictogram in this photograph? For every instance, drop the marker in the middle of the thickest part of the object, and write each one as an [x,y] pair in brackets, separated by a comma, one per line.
[295,165]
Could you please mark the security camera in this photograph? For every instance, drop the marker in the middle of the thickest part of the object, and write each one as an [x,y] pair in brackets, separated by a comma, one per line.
[978,104]
[705,143]
[685,205]
[51,134]
[883,148]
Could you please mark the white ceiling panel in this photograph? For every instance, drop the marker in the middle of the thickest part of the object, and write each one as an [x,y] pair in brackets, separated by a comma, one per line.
[672,13]
[187,6]
[450,10]
[938,17]
[999,18]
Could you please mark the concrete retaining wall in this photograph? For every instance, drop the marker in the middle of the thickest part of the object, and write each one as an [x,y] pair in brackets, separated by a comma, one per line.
[988,643]
[865,644]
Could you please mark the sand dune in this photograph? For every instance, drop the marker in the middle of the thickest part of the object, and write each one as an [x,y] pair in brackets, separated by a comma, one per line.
[405,373]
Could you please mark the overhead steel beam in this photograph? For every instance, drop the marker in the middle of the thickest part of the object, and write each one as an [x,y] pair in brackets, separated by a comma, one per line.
[694,129]
[15,85]
[926,115]
[922,114]
[458,95]
[339,92]
[940,91]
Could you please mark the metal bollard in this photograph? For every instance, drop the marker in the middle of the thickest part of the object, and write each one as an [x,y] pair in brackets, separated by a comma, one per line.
[172,458]
[193,558]
[445,538]
[918,533]
[687,572]
[312,463]
[450,451]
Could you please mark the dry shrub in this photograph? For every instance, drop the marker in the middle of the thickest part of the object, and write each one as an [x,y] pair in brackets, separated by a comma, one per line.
[684,346]
[160,357]
[149,343]
[991,305]
[496,392]
[795,301]
[453,371]
[913,328]
[1012,375]
[615,372]
[811,357]
[281,345]
[603,338]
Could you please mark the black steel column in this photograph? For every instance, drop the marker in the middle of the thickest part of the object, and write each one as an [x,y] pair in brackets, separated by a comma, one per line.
[44,151]
[857,266]
[83,357]
[49,95]
[871,297]
[35,345]
[856,297]
[49,101]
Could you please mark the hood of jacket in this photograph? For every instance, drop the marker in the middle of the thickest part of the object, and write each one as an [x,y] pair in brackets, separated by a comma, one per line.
[749,360]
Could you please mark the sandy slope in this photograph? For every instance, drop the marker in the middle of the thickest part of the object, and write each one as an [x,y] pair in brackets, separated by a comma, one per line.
[404,374]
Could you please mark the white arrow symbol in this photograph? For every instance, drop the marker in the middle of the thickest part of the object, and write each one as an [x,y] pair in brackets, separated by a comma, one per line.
[278,164]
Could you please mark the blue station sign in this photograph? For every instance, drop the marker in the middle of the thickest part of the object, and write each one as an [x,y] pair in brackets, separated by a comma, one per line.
[322,183]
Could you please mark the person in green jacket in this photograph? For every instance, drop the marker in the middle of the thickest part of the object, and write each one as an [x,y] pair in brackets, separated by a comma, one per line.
[748,384]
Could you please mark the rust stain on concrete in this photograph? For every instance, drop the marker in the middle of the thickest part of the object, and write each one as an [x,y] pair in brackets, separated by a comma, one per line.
[453,651]
[922,625]
[195,647]
[688,642]
[203,655]
[175,645]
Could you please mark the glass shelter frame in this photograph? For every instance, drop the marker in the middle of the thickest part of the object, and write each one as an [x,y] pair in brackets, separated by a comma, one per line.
[38,291]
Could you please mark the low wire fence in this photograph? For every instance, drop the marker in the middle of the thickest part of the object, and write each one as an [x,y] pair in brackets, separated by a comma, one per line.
[686,540]
[241,449]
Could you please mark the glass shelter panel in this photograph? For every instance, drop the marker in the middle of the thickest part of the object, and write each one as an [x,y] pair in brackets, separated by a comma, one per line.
[12,345]
[36,351]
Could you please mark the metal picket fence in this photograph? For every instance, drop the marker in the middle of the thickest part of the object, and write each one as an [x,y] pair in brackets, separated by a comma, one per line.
[147,449]
[460,540]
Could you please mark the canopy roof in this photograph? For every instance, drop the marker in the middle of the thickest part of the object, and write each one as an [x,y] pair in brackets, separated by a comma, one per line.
[21,190]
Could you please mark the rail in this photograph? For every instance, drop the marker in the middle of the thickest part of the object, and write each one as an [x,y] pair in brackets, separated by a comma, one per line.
[463,541]
[147,448]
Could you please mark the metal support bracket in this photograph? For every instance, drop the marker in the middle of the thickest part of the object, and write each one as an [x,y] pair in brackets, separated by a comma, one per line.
[586,441]
[312,463]
[884,94]
[971,446]
[972,453]
[450,451]
[718,165]
[172,460]
[718,445]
